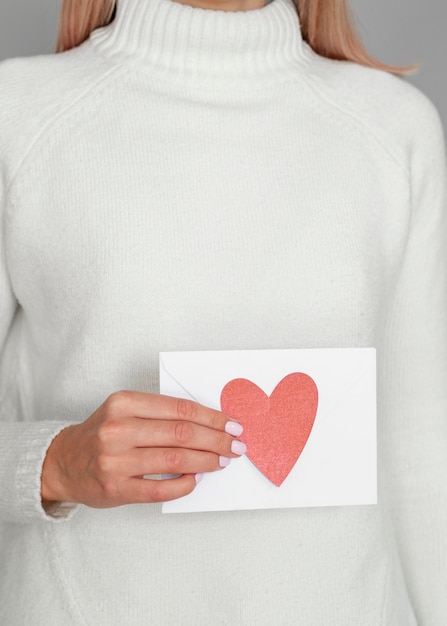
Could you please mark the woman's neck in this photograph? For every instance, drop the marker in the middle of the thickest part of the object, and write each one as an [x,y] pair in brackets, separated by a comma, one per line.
[226,5]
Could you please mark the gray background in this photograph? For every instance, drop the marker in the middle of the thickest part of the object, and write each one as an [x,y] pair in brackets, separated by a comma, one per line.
[395,31]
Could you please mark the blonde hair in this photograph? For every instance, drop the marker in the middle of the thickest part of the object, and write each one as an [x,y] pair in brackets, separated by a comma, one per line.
[78,18]
[326,25]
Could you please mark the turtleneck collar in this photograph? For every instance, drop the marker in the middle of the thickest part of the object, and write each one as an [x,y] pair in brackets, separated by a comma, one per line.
[206,47]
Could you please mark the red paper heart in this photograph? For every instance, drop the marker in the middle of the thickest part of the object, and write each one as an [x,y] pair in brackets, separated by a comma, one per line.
[276,428]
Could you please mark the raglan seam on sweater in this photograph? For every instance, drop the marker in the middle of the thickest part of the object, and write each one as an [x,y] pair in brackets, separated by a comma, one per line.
[53,122]
[319,92]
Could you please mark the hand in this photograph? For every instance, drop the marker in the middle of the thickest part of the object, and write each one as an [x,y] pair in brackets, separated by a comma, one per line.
[101,462]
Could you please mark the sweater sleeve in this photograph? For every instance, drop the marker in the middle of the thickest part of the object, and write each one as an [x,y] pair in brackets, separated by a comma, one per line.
[23,445]
[413,378]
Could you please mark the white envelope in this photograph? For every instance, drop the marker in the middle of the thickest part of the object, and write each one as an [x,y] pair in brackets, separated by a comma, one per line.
[338,465]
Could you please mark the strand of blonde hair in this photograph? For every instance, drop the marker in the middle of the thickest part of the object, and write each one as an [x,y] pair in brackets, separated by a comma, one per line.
[329,28]
[78,18]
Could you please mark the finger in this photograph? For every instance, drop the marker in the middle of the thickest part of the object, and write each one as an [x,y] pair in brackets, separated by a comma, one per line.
[182,434]
[171,461]
[155,406]
[142,490]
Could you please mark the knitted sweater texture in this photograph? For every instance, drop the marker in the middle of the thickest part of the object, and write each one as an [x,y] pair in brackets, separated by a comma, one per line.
[191,179]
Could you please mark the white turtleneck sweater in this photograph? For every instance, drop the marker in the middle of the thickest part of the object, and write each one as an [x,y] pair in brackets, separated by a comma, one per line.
[193,179]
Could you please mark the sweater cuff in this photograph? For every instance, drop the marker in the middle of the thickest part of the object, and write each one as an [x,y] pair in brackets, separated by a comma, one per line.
[23,449]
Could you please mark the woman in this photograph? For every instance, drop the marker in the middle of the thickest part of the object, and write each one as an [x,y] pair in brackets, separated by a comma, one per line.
[210,176]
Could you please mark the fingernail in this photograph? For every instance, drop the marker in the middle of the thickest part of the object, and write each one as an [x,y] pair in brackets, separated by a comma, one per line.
[237,447]
[224,461]
[234,428]
[198,478]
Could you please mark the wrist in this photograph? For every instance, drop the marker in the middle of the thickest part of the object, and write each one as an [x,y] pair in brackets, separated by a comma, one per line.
[52,484]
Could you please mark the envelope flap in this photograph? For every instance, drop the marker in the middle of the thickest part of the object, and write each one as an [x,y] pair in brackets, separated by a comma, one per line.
[336,371]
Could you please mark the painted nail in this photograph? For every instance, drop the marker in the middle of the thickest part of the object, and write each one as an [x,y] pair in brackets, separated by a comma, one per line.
[234,428]
[198,478]
[237,447]
[224,461]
